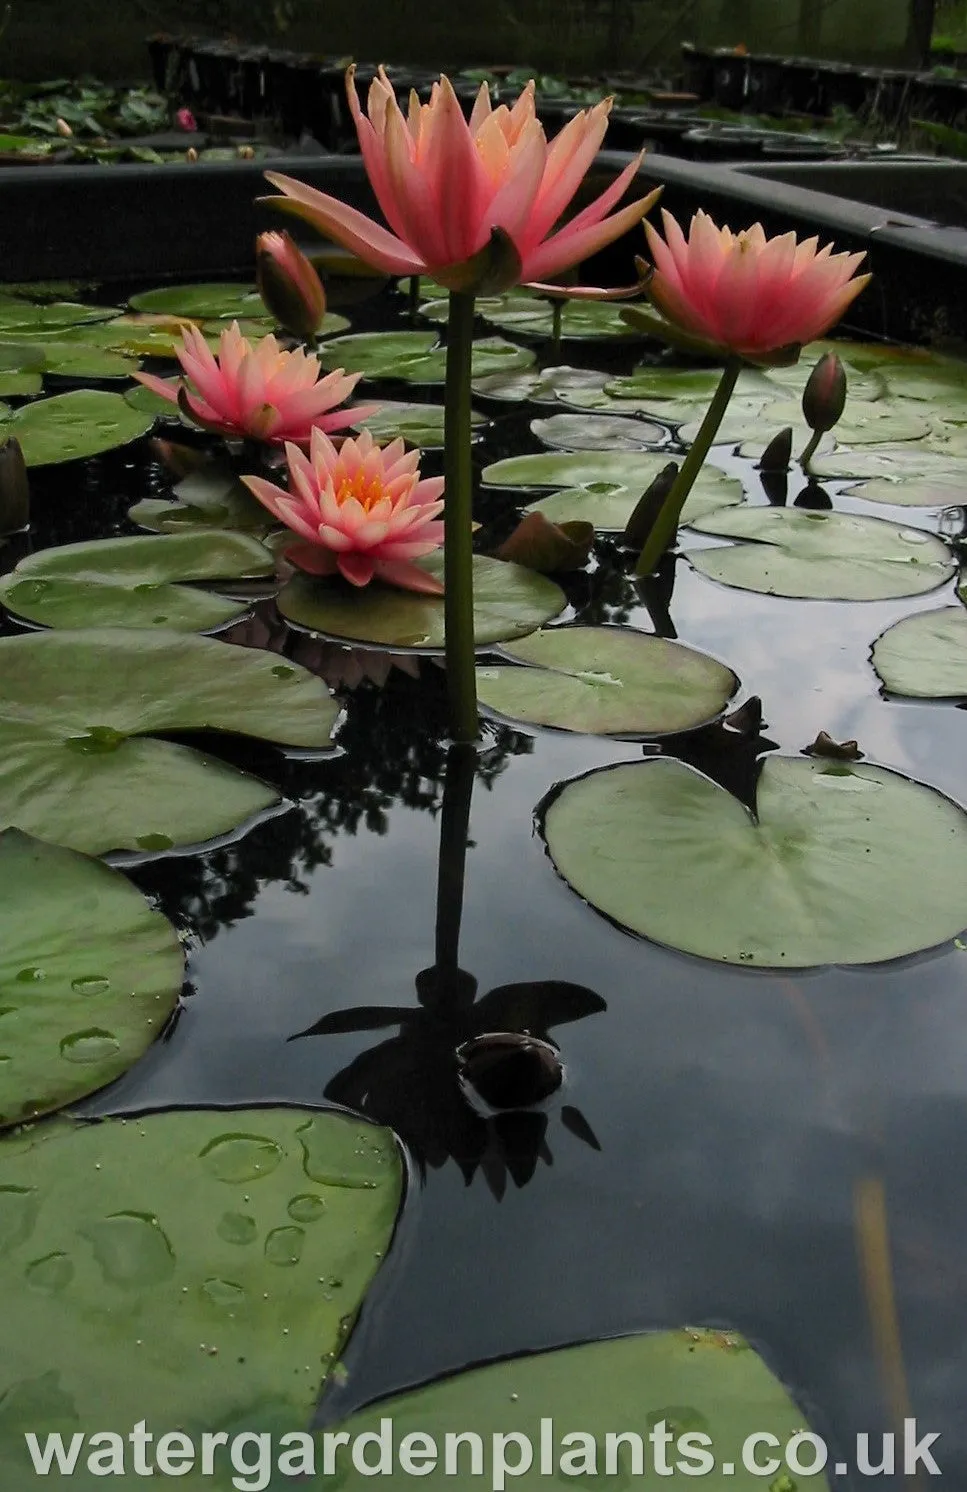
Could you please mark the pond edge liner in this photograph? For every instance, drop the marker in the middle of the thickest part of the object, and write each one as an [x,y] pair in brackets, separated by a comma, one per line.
[124,223]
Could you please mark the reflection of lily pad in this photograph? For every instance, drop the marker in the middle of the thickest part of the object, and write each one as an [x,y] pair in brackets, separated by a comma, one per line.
[132,582]
[607,681]
[817,877]
[508,602]
[597,432]
[415,357]
[198,1269]
[610,511]
[75,709]
[419,424]
[201,302]
[698,1382]
[88,976]
[71,427]
[819,555]
[925,656]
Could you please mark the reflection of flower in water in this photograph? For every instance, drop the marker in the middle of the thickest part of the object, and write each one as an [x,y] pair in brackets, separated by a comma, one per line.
[341,667]
[409,1081]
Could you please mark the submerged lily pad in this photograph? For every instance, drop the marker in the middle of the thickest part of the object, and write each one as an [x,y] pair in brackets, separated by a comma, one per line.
[74,765]
[707,1383]
[814,878]
[224,300]
[611,509]
[199,1269]
[131,582]
[71,427]
[415,357]
[925,656]
[597,432]
[419,424]
[88,976]
[821,556]
[607,681]
[508,602]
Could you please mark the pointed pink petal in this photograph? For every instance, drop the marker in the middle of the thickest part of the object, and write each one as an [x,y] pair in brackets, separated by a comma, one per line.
[571,246]
[357,568]
[348,227]
[408,577]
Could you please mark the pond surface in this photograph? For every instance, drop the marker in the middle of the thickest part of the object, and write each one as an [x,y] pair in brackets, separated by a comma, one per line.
[707,1159]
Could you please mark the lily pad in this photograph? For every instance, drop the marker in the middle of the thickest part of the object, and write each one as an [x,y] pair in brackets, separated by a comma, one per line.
[659,384]
[131,582]
[532,316]
[607,681]
[915,492]
[893,462]
[224,300]
[71,427]
[415,357]
[925,656]
[559,384]
[597,470]
[508,602]
[821,556]
[88,976]
[419,424]
[814,878]
[19,385]
[75,707]
[26,318]
[704,1383]
[610,510]
[210,498]
[597,432]
[194,1269]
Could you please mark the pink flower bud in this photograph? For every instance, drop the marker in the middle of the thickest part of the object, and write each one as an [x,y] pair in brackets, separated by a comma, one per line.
[824,397]
[185,120]
[289,285]
[14,488]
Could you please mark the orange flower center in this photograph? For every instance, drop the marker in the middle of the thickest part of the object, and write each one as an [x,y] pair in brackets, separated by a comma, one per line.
[367,491]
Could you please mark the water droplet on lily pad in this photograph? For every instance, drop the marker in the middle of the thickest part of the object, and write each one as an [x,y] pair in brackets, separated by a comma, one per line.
[283,671]
[241,1157]
[307,1208]
[28,975]
[155,842]
[52,1273]
[131,1249]
[89,1046]
[223,1292]
[90,984]
[283,1246]
[99,738]
[236,1227]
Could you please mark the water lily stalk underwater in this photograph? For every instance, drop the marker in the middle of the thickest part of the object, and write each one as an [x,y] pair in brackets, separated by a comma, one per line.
[257,391]
[742,298]
[473,204]
[362,511]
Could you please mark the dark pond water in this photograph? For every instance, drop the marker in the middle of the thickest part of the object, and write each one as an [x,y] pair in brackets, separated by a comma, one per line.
[704,1161]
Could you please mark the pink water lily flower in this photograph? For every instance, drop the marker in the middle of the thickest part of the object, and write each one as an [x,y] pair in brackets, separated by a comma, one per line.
[747,295]
[362,511]
[445,185]
[257,392]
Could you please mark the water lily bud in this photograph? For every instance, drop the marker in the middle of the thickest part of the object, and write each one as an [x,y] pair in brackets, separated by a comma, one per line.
[778,453]
[185,120]
[289,285]
[14,488]
[824,397]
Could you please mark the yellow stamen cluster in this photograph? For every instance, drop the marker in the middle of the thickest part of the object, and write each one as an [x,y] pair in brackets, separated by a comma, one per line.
[367,492]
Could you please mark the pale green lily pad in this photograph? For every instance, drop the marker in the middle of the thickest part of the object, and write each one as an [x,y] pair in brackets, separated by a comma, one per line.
[945,489]
[133,582]
[75,707]
[597,432]
[610,511]
[607,681]
[89,974]
[698,1382]
[415,357]
[71,427]
[508,602]
[862,424]
[419,424]
[894,462]
[843,864]
[21,357]
[560,384]
[532,316]
[198,1269]
[821,556]
[597,470]
[27,319]
[19,385]
[224,300]
[746,418]
[658,384]
[925,656]
[210,498]
[77,360]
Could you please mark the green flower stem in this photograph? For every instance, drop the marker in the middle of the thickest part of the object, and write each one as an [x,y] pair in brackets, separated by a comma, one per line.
[810,451]
[665,528]
[457,519]
[557,318]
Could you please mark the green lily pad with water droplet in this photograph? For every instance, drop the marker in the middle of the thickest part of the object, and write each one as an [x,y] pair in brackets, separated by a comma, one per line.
[607,681]
[925,656]
[508,602]
[610,510]
[133,582]
[196,1269]
[698,1382]
[418,424]
[894,462]
[223,300]
[815,878]
[821,556]
[74,426]
[89,974]
[415,357]
[78,762]
[597,432]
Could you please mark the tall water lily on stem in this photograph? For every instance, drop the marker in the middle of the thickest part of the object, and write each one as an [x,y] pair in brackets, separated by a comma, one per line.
[473,205]
[745,298]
